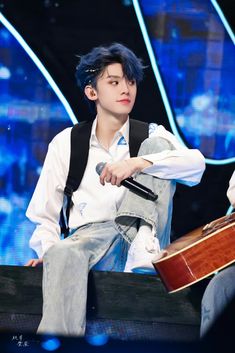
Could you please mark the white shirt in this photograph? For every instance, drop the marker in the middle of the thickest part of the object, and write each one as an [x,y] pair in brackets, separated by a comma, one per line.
[231,190]
[92,201]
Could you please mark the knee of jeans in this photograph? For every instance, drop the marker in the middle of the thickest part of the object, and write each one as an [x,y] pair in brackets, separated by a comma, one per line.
[57,251]
[154,145]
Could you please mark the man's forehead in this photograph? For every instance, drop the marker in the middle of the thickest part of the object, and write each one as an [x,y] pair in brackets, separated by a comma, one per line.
[114,70]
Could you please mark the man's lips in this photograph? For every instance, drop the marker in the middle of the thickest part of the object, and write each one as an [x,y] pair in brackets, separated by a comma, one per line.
[125,101]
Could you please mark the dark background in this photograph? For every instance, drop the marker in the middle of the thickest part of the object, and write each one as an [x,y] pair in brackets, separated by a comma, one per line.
[57,31]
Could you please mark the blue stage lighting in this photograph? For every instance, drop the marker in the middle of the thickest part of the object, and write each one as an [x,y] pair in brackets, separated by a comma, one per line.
[51,344]
[97,340]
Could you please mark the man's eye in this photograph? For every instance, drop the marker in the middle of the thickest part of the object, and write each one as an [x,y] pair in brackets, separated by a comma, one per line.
[132,82]
[114,83]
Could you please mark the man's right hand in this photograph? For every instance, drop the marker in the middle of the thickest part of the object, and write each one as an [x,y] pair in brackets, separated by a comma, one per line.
[34,262]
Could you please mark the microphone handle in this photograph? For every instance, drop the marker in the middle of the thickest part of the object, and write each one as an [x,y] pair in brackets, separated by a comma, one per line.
[133,181]
[139,189]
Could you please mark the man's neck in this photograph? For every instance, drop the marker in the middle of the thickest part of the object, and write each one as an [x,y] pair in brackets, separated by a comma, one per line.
[106,128]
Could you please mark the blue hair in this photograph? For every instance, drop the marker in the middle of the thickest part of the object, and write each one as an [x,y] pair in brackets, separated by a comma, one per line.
[92,65]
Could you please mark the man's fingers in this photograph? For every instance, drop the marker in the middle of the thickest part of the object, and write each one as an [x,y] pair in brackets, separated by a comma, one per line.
[103,175]
[29,263]
[115,173]
[34,262]
[113,180]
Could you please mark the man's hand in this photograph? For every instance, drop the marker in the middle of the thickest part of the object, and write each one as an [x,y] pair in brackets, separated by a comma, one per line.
[114,173]
[34,262]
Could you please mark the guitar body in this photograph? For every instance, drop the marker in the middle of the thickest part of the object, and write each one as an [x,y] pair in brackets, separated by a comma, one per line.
[198,254]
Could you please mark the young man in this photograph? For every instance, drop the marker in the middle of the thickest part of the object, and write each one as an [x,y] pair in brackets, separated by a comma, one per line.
[105,216]
[220,291]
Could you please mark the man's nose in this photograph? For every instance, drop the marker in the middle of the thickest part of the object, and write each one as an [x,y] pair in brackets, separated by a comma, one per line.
[125,87]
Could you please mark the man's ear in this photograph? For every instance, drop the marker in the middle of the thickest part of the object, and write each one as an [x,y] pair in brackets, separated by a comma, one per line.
[90,92]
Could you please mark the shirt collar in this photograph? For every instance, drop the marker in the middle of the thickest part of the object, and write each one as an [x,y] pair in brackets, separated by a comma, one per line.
[124,131]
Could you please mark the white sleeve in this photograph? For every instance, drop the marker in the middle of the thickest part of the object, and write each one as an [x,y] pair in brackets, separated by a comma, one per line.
[181,163]
[231,190]
[46,202]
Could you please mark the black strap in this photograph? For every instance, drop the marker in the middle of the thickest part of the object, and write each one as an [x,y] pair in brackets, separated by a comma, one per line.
[79,142]
[80,137]
[139,131]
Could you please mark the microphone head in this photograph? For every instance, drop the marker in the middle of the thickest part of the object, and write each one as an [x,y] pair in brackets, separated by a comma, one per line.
[99,168]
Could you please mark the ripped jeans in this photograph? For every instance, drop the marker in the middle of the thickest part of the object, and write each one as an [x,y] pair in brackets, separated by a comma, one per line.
[101,246]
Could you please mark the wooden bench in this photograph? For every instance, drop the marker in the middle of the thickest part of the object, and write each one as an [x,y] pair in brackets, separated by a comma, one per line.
[130,306]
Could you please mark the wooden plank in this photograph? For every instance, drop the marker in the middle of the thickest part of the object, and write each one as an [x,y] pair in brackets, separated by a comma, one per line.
[111,295]
[20,290]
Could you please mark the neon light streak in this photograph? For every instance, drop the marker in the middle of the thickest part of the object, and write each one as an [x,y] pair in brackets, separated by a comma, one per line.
[224,21]
[230,210]
[40,66]
[159,79]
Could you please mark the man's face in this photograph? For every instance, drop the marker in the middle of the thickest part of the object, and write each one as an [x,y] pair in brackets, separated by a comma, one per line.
[115,93]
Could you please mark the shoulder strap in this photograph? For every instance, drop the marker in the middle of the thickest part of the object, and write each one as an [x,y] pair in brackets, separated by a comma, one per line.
[79,150]
[80,137]
[139,131]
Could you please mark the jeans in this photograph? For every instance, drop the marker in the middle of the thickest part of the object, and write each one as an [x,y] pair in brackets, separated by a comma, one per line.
[218,294]
[101,246]
[65,273]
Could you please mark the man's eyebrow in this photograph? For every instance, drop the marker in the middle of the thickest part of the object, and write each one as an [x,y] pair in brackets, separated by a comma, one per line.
[113,76]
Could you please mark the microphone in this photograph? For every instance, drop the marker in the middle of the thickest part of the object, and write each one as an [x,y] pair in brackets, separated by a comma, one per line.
[132,185]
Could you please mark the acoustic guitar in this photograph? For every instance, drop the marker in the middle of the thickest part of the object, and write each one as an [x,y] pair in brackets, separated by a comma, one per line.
[198,254]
